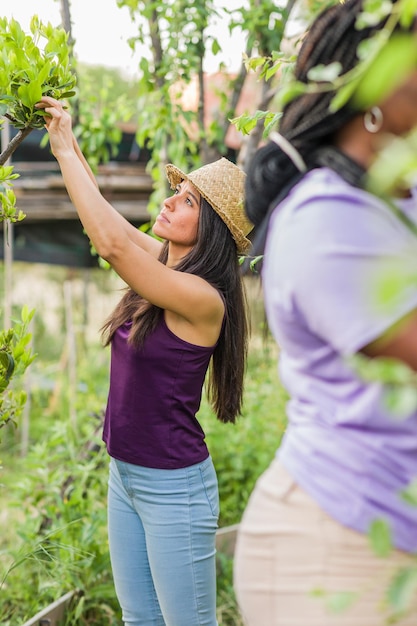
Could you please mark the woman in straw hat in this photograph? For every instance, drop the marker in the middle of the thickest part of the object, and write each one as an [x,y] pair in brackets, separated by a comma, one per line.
[184,309]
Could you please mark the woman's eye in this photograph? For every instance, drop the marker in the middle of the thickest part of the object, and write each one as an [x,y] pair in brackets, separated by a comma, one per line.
[187,200]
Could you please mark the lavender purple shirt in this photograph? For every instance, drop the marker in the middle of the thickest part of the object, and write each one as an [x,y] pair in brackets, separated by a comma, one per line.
[329,250]
[155,393]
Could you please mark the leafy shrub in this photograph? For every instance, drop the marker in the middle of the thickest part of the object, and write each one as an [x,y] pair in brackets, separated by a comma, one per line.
[61,541]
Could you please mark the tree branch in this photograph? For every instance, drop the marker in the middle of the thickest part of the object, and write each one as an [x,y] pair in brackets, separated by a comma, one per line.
[13,144]
[156,45]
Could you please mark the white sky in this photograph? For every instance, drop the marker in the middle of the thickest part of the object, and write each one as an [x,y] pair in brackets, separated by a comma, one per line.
[101,30]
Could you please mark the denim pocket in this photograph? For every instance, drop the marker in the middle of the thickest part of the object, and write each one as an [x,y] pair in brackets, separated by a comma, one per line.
[209,480]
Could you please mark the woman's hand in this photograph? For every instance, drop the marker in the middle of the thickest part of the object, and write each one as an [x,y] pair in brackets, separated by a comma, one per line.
[58,125]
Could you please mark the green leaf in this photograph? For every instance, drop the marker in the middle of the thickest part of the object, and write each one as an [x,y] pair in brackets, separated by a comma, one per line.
[7,362]
[35,92]
[386,370]
[215,47]
[374,12]
[408,13]
[403,589]
[337,602]
[394,62]
[380,538]
[26,314]
[272,71]
[254,263]
[341,601]
[402,401]
[409,494]
[290,91]
[343,95]
[325,73]
[30,94]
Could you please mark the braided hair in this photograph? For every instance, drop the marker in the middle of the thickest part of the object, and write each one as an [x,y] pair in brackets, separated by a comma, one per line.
[307,121]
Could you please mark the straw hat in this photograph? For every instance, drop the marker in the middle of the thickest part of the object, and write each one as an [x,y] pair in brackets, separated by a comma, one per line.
[221,183]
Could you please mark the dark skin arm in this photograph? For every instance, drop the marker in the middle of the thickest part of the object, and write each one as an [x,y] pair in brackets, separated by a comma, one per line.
[400,342]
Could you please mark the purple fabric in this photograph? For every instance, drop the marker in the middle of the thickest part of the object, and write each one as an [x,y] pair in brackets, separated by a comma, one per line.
[155,393]
[329,248]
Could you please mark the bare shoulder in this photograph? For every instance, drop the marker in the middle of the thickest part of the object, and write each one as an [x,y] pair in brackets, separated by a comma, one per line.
[201,324]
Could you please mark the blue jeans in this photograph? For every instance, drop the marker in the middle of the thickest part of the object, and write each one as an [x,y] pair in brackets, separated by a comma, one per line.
[162,531]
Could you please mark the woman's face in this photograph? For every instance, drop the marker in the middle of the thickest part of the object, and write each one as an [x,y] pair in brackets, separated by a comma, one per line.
[400,108]
[178,220]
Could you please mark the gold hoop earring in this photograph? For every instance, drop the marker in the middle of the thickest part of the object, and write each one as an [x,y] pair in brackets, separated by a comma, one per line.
[372,120]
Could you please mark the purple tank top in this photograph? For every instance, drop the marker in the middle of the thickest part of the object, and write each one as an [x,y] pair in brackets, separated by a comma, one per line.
[155,393]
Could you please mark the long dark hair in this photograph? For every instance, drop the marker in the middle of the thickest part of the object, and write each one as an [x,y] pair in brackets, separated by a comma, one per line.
[214,258]
[308,121]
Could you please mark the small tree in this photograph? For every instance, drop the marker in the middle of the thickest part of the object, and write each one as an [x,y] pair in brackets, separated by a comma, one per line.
[31,65]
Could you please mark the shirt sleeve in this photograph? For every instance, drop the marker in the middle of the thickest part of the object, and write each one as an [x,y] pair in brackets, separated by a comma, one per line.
[347,265]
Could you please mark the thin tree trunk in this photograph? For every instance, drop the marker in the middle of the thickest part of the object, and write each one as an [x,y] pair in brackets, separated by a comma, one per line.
[201,111]
[157,50]
[13,144]
[65,10]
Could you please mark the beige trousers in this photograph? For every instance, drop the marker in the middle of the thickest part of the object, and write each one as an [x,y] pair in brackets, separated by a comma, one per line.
[295,566]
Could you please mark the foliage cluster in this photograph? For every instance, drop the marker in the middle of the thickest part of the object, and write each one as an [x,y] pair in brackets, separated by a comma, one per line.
[105,101]
[32,66]
[15,356]
[8,210]
[178,36]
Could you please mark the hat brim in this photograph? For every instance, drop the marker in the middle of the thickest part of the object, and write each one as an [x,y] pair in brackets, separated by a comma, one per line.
[176,176]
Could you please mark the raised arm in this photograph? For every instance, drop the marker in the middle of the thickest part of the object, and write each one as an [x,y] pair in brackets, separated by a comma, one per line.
[84,161]
[132,257]
[66,143]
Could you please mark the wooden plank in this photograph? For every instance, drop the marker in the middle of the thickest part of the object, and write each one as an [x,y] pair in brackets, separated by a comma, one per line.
[51,615]
[226,539]
[41,194]
[124,183]
[55,208]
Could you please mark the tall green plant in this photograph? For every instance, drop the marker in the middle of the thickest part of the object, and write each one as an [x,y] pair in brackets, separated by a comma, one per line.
[31,65]
[15,356]
[15,351]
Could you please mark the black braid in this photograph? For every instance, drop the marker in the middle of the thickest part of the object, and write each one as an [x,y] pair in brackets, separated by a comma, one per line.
[307,121]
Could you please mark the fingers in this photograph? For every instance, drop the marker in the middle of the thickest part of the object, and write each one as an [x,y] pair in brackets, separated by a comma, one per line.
[48,100]
[53,108]
[50,105]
